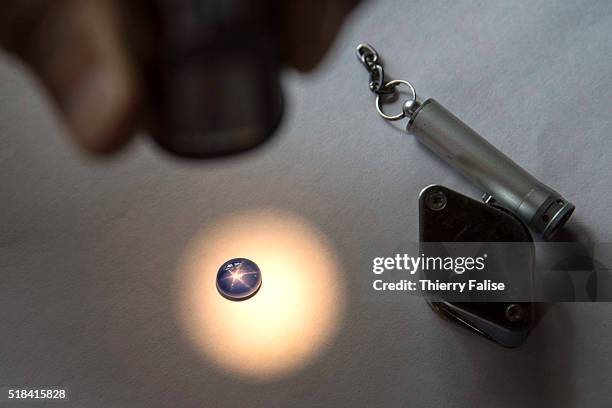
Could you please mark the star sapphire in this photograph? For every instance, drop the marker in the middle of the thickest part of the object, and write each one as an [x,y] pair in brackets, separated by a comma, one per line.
[238,279]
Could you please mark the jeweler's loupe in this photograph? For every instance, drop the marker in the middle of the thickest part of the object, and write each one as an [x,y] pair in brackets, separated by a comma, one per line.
[238,279]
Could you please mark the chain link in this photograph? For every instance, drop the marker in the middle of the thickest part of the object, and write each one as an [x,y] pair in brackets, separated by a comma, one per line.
[368,56]
[383,89]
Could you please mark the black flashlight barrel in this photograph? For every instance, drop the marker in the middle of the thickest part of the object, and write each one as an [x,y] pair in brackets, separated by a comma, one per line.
[215,84]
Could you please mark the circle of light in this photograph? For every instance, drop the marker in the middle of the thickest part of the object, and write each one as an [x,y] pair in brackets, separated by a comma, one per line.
[291,319]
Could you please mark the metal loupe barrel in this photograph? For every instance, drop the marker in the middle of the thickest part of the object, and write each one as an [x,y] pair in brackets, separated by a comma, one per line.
[539,206]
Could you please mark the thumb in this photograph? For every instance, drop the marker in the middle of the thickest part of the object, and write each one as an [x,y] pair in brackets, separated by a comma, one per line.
[75,48]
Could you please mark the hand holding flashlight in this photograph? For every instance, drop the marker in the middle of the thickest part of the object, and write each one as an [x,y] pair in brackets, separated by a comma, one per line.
[115,67]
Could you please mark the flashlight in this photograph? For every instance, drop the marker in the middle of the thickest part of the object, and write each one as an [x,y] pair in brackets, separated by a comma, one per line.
[502,180]
[211,70]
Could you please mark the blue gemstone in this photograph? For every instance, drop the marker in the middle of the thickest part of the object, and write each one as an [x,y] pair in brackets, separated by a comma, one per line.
[238,279]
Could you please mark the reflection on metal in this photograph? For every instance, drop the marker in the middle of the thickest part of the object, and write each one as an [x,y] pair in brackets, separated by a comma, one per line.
[536,204]
[293,316]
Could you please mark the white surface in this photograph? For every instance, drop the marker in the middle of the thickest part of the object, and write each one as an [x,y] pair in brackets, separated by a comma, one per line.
[88,248]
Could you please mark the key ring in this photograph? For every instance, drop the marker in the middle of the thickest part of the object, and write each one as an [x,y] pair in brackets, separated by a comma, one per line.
[367,55]
[392,85]
[536,204]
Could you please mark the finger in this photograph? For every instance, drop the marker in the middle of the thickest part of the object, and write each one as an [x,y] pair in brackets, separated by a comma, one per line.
[75,47]
[309,28]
